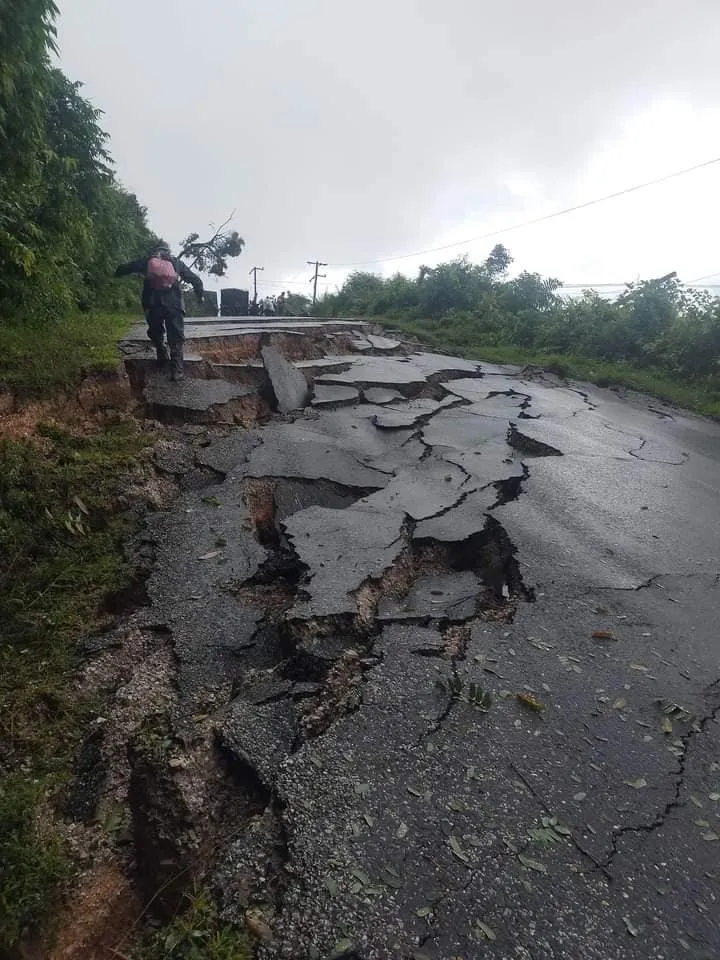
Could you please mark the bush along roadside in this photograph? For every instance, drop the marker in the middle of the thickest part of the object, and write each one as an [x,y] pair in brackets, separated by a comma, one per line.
[64,522]
[659,336]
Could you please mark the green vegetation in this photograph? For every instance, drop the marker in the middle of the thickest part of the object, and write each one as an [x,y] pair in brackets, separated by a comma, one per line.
[657,336]
[41,360]
[61,553]
[32,862]
[66,222]
[197,934]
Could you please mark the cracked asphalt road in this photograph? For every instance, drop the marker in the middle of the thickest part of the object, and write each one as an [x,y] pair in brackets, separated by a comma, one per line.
[475,529]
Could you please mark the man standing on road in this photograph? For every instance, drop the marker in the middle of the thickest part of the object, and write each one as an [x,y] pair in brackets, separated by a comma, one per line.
[162,302]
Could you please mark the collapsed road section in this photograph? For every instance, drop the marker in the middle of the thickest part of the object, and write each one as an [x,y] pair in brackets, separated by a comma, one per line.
[379,700]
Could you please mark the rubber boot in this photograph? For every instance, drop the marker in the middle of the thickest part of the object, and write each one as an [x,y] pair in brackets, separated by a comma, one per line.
[161,355]
[177,372]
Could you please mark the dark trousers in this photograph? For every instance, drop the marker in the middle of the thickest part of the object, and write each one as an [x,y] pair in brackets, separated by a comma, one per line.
[162,319]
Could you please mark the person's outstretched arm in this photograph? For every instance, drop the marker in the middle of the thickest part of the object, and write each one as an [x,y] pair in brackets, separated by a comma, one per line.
[188,276]
[135,266]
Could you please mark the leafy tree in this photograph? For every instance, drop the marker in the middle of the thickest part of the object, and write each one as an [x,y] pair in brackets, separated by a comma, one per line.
[64,219]
[498,262]
[211,256]
[453,285]
[293,305]
[27,36]
[654,323]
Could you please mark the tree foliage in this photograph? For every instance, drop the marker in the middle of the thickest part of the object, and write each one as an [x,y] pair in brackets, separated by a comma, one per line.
[211,256]
[656,323]
[64,218]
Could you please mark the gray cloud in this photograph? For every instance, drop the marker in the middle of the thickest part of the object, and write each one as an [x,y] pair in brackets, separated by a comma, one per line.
[350,130]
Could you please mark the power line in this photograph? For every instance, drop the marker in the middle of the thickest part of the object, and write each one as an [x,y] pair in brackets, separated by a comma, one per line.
[566,286]
[623,283]
[529,223]
[707,276]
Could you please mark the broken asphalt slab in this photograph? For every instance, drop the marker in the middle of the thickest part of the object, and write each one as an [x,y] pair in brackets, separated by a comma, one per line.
[474,673]
[288,384]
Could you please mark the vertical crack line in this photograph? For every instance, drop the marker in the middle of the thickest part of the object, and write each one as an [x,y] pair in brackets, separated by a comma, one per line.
[599,865]
[674,802]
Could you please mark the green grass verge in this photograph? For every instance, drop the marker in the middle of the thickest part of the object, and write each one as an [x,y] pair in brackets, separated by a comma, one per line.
[197,934]
[61,553]
[40,360]
[703,398]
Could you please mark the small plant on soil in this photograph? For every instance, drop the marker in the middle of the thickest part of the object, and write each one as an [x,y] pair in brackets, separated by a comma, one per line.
[473,694]
[197,934]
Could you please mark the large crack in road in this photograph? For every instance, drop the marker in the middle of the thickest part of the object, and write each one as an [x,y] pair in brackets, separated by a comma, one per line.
[399,703]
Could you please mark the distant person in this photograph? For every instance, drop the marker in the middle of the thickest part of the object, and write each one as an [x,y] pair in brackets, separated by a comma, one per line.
[162,303]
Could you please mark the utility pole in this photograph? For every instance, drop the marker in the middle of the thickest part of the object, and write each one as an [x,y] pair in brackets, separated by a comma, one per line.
[253,274]
[317,276]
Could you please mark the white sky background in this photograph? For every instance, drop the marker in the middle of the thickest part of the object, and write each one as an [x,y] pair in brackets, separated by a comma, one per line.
[354,131]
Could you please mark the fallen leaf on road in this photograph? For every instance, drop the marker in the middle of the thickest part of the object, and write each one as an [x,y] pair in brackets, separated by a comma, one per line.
[362,789]
[210,556]
[361,876]
[714,797]
[402,831]
[711,836]
[423,911]
[531,702]
[640,667]
[636,784]
[602,635]
[458,850]
[579,796]
[532,864]
[557,827]
[619,704]
[631,928]
[487,932]
[672,709]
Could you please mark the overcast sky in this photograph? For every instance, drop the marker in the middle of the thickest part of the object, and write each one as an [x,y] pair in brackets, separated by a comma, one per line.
[360,130]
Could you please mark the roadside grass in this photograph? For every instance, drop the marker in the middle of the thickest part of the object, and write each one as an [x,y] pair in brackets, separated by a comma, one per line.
[197,934]
[40,360]
[699,397]
[61,552]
